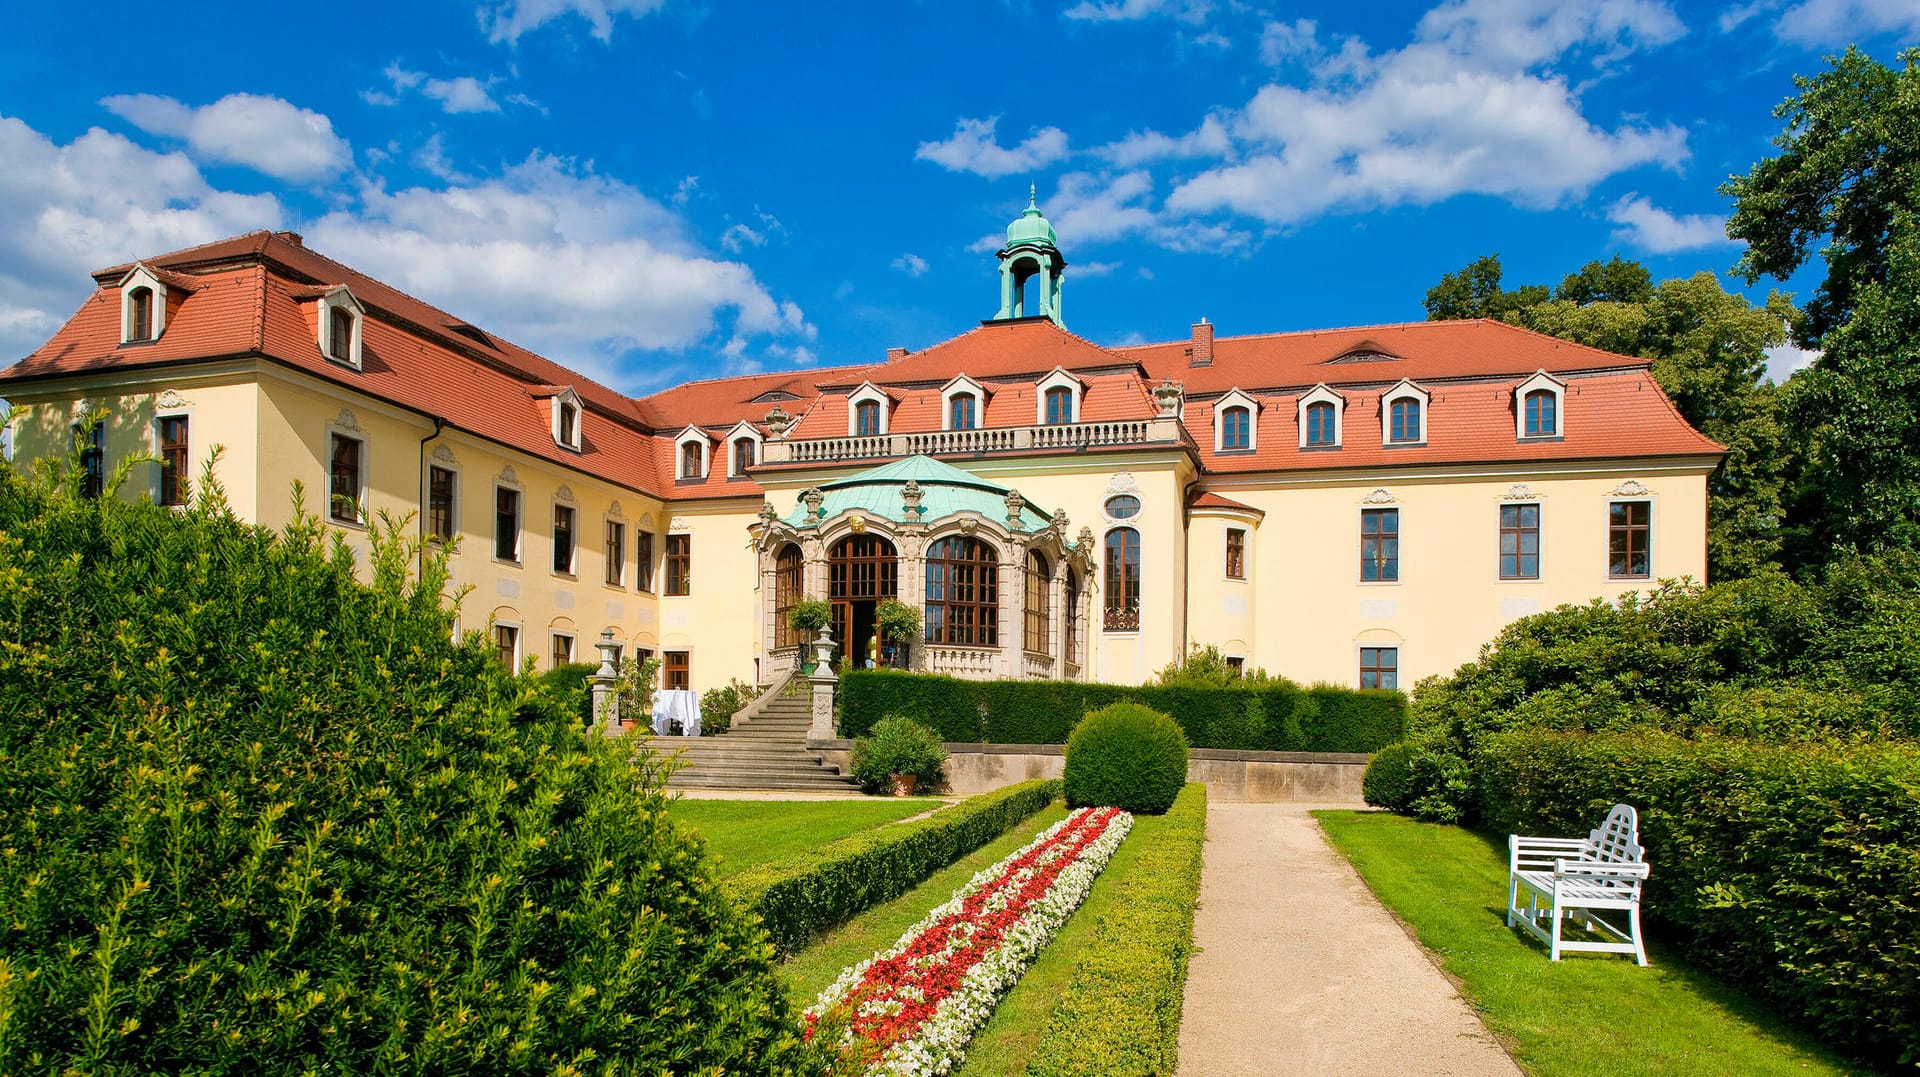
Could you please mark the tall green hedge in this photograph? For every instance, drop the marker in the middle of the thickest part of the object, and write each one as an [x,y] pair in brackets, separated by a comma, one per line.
[1278,717]
[257,817]
[804,895]
[1794,872]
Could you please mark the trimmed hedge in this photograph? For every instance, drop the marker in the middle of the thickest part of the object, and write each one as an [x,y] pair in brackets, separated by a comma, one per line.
[1794,872]
[1120,1014]
[807,894]
[1125,756]
[1278,717]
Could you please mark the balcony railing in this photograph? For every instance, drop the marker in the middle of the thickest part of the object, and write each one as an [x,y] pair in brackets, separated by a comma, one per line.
[1067,437]
[1126,620]
[971,662]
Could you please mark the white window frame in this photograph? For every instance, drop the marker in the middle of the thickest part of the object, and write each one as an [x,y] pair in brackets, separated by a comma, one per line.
[1059,378]
[142,277]
[573,644]
[1236,398]
[1320,394]
[1399,509]
[426,498]
[568,398]
[1399,649]
[746,430]
[1540,576]
[519,641]
[573,555]
[185,411]
[1405,390]
[1653,523]
[1540,380]
[340,298]
[962,385]
[361,508]
[868,391]
[627,548]
[693,433]
[519,559]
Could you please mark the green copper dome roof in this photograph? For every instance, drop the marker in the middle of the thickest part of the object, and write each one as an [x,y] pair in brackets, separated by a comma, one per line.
[1030,229]
[944,491]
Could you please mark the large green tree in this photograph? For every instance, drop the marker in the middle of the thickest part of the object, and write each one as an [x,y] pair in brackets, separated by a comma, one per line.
[1848,176]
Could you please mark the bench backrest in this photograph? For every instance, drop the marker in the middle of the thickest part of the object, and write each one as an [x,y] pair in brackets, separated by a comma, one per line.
[1617,840]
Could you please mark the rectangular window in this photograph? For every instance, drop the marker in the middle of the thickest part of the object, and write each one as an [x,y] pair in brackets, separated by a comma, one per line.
[1236,665]
[343,485]
[562,650]
[506,644]
[506,524]
[439,503]
[643,561]
[93,458]
[1379,667]
[1236,553]
[1629,536]
[563,540]
[960,412]
[679,564]
[173,460]
[1379,544]
[679,672]
[1519,542]
[616,553]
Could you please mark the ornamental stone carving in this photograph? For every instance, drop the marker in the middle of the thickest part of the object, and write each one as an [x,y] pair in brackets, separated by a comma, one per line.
[1015,505]
[507,475]
[968,525]
[565,493]
[1378,497]
[1167,395]
[778,422]
[768,514]
[347,420]
[171,398]
[1058,524]
[814,497]
[444,454]
[1084,540]
[1520,491]
[1123,483]
[646,520]
[1631,488]
[679,523]
[911,495]
[613,513]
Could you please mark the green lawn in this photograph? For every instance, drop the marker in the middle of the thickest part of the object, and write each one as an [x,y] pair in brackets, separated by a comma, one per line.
[1587,1014]
[742,833]
[812,969]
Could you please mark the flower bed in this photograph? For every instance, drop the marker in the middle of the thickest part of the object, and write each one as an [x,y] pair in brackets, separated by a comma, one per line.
[912,1009]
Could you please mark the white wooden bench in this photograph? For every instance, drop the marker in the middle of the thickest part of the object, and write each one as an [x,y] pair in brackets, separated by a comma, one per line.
[1577,877]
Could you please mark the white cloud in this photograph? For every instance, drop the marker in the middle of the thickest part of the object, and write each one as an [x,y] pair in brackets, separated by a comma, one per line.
[1784,359]
[266,134]
[1646,226]
[507,22]
[577,266]
[1134,10]
[66,210]
[911,264]
[1093,269]
[1210,139]
[1094,208]
[973,148]
[738,237]
[456,95]
[1841,22]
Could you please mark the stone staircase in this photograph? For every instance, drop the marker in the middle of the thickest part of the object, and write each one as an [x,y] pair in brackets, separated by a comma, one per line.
[767,753]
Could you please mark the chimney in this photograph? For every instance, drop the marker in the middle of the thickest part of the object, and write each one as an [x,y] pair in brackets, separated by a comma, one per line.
[1201,353]
[894,355]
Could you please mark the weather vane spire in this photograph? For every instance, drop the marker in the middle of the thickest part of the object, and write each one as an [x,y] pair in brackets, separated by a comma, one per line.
[1033,194]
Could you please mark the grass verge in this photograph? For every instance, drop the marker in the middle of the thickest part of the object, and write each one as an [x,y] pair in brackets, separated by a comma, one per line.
[1584,1014]
[743,833]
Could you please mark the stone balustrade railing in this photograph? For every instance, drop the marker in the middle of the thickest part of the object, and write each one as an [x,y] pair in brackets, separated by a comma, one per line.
[1066,437]
[973,662]
[1036,667]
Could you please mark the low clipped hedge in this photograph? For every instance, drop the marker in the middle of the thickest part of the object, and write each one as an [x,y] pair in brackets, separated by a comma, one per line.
[1793,872]
[1125,756]
[1120,1013]
[804,895]
[1281,717]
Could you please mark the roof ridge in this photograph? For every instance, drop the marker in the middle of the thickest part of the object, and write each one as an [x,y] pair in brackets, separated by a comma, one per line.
[184,250]
[788,374]
[1320,332]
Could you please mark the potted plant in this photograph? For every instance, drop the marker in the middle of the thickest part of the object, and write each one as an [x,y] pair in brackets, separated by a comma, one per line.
[899,625]
[808,616]
[898,755]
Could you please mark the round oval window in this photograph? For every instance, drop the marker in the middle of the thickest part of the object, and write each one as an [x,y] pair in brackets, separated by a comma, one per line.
[1123,507]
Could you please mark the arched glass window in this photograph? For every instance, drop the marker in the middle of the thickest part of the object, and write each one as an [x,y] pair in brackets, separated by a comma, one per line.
[1542,417]
[786,592]
[1123,506]
[690,460]
[140,314]
[962,412]
[742,455]
[1404,420]
[1235,429]
[1123,579]
[963,593]
[1320,424]
[1039,605]
[340,334]
[866,417]
[1070,646]
[1059,406]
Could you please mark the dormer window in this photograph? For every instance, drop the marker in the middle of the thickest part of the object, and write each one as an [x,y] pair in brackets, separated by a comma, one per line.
[1234,422]
[143,302]
[690,460]
[342,326]
[743,442]
[693,449]
[1059,406]
[1320,425]
[1537,407]
[139,315]
[1320,418]
[1403,415]
[1059,402]
[743,455]
[963,412]
[569,425]
[867,411]
[340,334]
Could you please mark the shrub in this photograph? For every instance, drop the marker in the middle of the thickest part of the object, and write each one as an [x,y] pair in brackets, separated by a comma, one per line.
[1207,667]
[1119,1015]
[898,746]
[811,615]
[261,818]
[719,705]
[1794,872]
[1388,782]
[805,895]
[1126,756]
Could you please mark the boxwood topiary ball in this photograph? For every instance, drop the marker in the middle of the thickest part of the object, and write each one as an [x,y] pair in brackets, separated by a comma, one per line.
[1388,782]
[1126,756]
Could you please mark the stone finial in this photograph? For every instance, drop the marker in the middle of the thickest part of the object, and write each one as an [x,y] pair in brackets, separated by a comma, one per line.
[814,497]
[1015,505]
[778,422]
[1167,395]
[1084,541]
[1058,524]
[911,495]
[768,514]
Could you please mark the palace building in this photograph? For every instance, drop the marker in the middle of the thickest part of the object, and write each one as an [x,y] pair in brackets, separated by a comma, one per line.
[1361,506]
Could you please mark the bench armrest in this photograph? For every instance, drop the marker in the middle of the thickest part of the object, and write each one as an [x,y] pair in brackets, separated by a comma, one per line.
[1600,870]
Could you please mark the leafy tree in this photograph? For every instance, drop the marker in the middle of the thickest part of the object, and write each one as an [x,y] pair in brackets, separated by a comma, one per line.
[1475,292]
[1616,280]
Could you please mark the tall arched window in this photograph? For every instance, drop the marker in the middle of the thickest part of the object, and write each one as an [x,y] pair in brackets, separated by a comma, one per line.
[1123,579]
[691,457]
[1320,424]
[1404,421]
[786,592]
[866,415]
[1543,419]
[140,314]
[963,593]
[1059,406]
[1235,429]
[1039,605]
[1070,646]
[962,412]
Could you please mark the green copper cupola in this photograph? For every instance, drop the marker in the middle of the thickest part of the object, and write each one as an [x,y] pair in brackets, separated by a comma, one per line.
[1032,253]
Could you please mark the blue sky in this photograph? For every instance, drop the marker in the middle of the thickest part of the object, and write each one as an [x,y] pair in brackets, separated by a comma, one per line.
[652,190]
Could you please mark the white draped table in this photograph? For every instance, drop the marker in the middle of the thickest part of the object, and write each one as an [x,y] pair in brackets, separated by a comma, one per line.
[676,705]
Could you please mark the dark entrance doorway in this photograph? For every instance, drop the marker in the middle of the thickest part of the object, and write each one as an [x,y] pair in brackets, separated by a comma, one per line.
[861,570]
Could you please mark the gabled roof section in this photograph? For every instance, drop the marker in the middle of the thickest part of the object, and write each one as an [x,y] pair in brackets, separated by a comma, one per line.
[999,349]
[171,279]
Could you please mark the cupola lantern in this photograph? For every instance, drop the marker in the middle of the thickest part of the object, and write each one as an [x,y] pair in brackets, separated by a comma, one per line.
[1032,251]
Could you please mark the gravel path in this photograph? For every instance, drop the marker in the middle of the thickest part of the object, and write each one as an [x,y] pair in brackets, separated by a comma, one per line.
[1302,972]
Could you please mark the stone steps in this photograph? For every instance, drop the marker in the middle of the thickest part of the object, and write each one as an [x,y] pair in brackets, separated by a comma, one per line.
[764,753]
